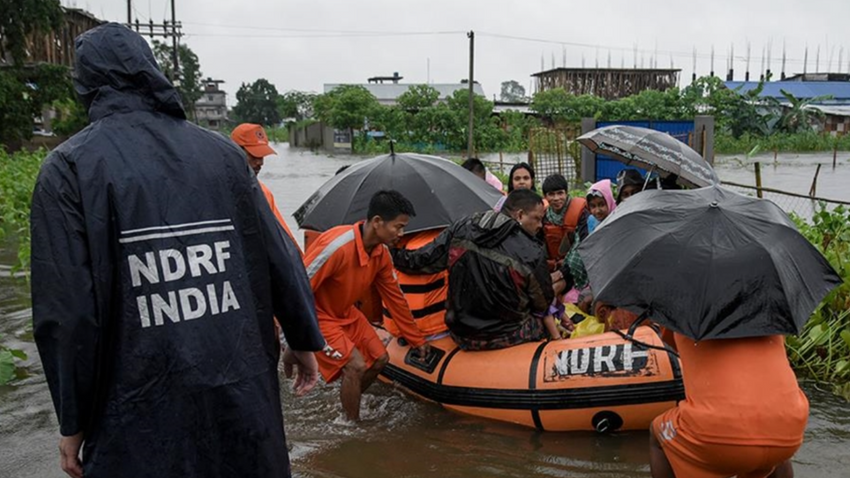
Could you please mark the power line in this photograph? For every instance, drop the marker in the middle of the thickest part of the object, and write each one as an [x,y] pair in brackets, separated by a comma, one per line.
[336,32]
[306,33]
[614,48]
[325,35]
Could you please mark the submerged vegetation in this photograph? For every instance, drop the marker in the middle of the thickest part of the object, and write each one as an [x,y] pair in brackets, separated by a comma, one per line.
[822,351]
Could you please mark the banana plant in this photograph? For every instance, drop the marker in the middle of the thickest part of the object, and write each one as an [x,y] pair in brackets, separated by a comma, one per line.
[799,115]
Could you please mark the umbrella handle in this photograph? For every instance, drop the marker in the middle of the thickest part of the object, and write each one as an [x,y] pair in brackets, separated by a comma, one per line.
[664,347]
[642,317]
[648,174]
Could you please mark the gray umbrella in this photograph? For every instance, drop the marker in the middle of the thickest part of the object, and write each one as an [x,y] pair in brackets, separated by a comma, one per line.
[707,263]
[441,191]
[651,149]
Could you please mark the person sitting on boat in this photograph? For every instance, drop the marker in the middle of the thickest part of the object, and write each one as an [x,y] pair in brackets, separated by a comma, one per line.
[343,264]
[521,176]
[629,183]
[600,203]
[500,289]
[565,221]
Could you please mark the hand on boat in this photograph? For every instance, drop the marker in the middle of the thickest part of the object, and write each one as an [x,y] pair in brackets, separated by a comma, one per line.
[568,324]
[308,370]
[69,455]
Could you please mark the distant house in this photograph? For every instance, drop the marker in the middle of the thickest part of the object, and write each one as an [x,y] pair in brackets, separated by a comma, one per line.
[211,107]
[835,86]
[836,118]
[838,90]
[387,89]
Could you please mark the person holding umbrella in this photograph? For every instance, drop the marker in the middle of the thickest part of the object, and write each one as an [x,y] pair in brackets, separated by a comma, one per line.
[629,183]
[743,278]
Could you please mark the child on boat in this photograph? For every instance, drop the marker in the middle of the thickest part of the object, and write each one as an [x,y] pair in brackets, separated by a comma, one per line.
[600,202]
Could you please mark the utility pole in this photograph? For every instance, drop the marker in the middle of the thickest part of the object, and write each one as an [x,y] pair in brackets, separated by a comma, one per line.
[165,29]
[470,145]
[174,42]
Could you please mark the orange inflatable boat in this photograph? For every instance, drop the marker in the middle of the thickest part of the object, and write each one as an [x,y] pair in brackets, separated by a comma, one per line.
[602,382]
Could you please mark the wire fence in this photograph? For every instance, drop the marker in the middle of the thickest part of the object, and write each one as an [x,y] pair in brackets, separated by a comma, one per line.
[799,204]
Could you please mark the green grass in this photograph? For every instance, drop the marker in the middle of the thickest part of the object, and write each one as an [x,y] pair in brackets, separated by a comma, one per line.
[18,173]
[781,142]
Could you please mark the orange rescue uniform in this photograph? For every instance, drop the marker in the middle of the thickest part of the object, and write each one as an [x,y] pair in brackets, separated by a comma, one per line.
[744,412]
[270,199]
[341,273]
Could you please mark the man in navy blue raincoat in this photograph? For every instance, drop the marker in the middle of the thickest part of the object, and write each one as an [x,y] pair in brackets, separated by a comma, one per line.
[157,268]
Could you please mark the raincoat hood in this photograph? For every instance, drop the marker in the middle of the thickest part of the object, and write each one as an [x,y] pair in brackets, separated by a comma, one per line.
[604,187]
[116,72]
[491,228]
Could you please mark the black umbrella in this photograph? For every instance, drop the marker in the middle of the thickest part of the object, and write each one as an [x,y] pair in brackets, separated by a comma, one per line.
[441,191]
[653,150]
[708,263]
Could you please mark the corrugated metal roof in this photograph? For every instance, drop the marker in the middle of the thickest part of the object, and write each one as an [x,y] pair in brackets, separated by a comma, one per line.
[840,90]
[834,110]
[389,92]
[500,108]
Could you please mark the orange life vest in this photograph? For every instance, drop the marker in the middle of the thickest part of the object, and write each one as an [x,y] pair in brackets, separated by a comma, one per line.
[425,294]
[555,234]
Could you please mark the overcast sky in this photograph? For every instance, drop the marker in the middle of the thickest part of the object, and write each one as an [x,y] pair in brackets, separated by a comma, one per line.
[303,44]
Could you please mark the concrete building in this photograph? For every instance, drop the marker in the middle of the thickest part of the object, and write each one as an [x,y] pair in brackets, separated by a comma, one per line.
[608,83]
[387,89]
[211,107]
[56,46]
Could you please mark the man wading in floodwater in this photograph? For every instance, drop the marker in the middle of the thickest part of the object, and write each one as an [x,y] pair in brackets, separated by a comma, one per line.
[156,268]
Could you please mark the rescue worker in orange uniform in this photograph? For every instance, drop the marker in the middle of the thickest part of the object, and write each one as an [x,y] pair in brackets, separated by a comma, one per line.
[565,219]
[744,414]
[343,264]
[253,140]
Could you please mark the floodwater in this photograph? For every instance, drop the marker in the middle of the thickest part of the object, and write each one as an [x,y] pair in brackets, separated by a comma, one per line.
[399,436]
[790,172]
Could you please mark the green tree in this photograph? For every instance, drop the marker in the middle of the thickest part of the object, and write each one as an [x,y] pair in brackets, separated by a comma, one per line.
[512,92]
[20,18]
[484,128]
[189,82]
[347,107]
[71,117]
[752,114]
[295,104]
[24,93]
[418,97]
[257,103]
[15,111]
[798,115]
[558,106]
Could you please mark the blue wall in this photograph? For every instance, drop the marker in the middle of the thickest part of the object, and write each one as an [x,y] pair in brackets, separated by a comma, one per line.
[608,168]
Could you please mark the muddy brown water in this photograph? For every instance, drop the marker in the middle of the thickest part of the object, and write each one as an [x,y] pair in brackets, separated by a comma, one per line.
[400,436]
